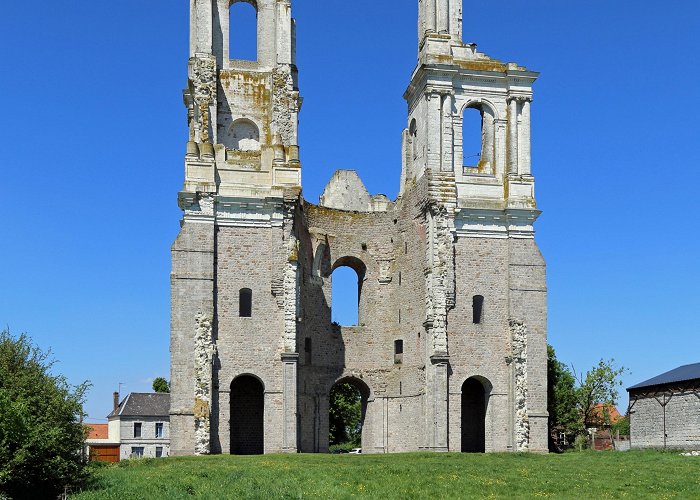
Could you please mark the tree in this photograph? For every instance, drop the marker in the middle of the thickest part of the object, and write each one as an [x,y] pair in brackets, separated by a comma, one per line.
[598,386]
[561,396]
[345,415]
[41,435]
[161,385]
[572,398]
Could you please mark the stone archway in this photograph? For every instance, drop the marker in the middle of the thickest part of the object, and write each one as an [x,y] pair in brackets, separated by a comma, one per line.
[247,416]
[363,394]
[474,403]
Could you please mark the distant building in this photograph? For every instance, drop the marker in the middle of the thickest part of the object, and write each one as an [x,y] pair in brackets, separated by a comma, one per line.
[98,445]
[141,425]
[665,410]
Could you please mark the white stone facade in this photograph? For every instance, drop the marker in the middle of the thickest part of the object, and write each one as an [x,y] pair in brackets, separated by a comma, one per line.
[450,267]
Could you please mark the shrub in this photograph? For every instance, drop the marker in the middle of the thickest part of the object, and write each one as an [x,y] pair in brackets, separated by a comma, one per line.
[41,437]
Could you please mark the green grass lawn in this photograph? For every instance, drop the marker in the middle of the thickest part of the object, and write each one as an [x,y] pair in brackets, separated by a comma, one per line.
[645,474]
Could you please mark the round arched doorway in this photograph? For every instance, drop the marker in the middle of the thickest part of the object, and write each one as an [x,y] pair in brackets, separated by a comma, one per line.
[247,416]
[473,416]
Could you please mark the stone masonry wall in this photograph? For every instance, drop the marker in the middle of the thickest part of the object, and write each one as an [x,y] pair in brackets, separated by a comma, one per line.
[682,422]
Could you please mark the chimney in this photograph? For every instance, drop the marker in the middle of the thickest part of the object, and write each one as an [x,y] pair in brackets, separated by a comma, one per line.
[116,401]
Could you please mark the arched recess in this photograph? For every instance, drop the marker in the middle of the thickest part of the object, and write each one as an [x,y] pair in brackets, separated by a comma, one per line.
[346,290]
[247,416]
[478,136]
[413,147]
[475,392]
[243,30]
[244,135]
[345,411]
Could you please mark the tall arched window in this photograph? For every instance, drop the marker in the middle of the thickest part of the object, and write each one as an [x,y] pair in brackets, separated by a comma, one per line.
[477,308]
[245,303]
[471,137]
[346,290]
[478,138]
[243,30]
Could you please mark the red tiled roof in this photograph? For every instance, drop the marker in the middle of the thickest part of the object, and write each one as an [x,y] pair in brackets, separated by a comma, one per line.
[98,431]
[612,413]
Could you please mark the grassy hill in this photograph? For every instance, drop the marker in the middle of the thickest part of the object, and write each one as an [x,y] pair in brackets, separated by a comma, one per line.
[634,474]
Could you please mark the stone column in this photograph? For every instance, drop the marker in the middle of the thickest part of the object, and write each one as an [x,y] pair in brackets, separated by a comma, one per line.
[430,16]
[512,136]
[443,16]
[447,140]
[525,137]
[433,130]
[290,360]
[437,403]
[201,39]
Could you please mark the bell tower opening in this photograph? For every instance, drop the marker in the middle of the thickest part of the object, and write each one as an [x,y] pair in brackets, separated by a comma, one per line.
[243,30]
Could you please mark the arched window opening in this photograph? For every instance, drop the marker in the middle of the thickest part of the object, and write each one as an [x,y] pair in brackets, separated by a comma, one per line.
[413,138]
[477,308]
[472,137]
[243,30]
[247,416]
[346,290]
[473,416]
[346,413]
[245,136]
[245,303]
[398,351]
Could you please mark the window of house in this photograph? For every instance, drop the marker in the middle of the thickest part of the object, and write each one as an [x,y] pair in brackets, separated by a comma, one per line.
[137,452]
[159,430]
[137,429]
[159,451]
[398,351]
[477,308]
[245,303]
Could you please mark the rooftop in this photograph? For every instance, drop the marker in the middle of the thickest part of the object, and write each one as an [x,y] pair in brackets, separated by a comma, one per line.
[680,374]
[143,404]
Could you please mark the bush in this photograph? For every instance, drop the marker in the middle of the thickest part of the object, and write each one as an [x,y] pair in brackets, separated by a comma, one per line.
[41,437]
[581,442]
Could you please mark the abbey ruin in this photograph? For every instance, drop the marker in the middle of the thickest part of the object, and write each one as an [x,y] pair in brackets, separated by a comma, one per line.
[449,352]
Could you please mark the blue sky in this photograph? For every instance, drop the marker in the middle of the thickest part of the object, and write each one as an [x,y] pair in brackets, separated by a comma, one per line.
[94,132]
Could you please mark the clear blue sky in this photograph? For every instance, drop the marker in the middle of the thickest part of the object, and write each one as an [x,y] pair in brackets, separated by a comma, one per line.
[94,131]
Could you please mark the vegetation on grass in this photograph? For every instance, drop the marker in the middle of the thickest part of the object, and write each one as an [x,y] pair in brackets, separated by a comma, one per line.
[643,474]
[41,437]
[161,385]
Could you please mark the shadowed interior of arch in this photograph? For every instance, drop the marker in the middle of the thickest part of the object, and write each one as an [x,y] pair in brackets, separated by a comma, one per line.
[473,416]
[243,31]
[247,416]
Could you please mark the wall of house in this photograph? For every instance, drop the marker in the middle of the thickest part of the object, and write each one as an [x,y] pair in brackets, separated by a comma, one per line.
[682,422]
[148,438]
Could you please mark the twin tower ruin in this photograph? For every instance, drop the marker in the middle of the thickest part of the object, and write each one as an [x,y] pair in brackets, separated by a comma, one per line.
[450,350]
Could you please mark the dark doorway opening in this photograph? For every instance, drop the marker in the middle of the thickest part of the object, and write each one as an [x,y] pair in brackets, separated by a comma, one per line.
[473,416]
[247,416]
[346,413]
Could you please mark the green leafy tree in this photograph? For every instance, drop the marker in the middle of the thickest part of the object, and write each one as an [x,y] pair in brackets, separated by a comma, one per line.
[561,397]
[41,436]
[599,385]
[345,415]
[161,385]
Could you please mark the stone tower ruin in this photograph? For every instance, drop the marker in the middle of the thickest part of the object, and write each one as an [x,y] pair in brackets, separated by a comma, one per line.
[449,352]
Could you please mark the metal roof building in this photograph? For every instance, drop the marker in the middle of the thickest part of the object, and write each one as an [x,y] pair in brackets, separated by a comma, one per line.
[665,410]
